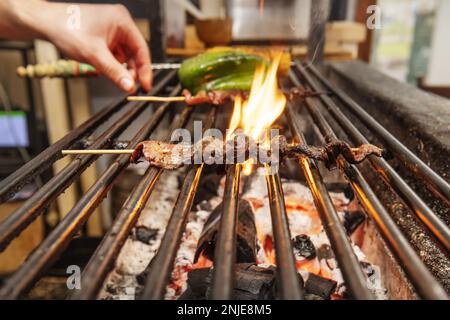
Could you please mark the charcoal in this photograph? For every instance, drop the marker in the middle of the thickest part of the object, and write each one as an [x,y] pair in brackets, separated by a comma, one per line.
[246,234]
[320,286]
[208,186]
[198,281]
[145,235]
[252,283]
[310,296]
[325,252]
[349,193]
[352,220]
[255,283]
[304,247]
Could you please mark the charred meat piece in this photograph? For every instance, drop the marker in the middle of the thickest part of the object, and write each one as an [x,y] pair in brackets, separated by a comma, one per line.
[216,97]
[220,97]
[320,286]
[172,156]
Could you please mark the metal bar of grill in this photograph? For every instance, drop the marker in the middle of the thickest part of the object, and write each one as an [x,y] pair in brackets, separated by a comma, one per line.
[160,268]
[225,252]
[423,281]
[60,237]
[425,214]
[413,163]
[353,275]
[14,182]
[22,217]
[287,275]
[102,260]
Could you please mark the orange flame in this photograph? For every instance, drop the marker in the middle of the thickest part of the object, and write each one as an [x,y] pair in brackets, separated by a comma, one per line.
[202,262]
[265,104]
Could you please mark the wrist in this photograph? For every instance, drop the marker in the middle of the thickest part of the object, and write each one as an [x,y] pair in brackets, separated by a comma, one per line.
[32,16]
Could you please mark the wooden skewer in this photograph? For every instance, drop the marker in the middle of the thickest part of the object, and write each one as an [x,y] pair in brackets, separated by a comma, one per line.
[156,99]
[98,151]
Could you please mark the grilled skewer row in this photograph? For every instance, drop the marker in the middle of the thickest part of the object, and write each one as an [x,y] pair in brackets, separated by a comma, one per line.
[213,150]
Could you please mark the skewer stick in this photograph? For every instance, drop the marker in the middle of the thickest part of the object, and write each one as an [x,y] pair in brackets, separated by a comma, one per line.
[156,99]
[98,151]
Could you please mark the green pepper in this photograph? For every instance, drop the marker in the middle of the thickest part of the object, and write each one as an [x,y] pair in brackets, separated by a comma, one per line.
[236,81]
[212,70]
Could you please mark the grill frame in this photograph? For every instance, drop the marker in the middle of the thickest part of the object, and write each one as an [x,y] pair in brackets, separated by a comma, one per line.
[158,271]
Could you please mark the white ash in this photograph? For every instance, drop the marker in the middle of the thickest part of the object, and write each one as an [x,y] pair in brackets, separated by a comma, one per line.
[302,221]
[135,255]
[185,255]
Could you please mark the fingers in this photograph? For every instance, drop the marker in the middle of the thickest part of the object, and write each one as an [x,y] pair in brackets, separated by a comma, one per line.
[137,49]
[131,65]
[145,76]
[104,61]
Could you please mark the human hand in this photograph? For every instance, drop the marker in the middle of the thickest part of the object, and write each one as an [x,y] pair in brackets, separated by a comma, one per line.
[106,37]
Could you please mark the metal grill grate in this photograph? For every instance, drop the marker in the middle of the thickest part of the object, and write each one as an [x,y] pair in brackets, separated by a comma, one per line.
[304,77]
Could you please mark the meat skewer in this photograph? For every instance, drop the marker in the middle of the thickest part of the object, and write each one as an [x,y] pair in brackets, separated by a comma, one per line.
[212,97]
[172,156]
[216,97]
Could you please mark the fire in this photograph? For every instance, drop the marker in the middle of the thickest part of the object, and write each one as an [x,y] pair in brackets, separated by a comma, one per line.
[202,262]
[264,105]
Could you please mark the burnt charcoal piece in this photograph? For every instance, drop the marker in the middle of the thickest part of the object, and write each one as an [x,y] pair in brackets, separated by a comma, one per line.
[320,286]
[255,282]
[352,220]
[246,234]
[325,252]
[309,296]
[304,247]
[349,193]
[208,186]
[145,235]
[198,282]
[252,283]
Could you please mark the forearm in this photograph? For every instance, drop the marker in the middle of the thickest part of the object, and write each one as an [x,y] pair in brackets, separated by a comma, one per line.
[24,19]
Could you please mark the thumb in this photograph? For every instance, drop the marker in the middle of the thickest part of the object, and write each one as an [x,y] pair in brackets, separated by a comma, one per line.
[107,64]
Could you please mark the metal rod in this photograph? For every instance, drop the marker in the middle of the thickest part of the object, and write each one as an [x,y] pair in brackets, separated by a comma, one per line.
[165,66]
[287,276]
[160,268]
[103,258]
[13,183]
[225,251]
[60,237]
[422,279]
[414,163]
[425,214]
[97,151]
[17,180]
[23,216]
[353,275]
[156,99]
